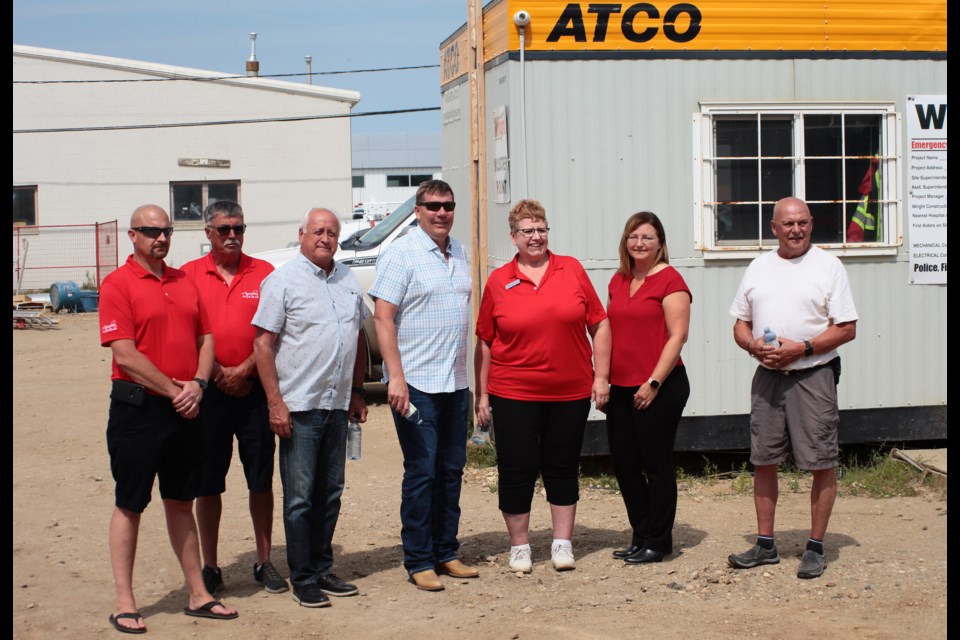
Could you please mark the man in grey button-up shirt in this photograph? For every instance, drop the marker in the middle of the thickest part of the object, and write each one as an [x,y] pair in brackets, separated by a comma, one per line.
[310,353]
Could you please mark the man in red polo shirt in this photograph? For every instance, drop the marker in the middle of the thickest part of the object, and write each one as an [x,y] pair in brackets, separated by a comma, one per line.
[151,318]
[235,405]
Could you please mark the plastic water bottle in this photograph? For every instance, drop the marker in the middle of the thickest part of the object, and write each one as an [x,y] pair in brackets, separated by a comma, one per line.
[770,338]
[413,414]
[353,440]
[481,433]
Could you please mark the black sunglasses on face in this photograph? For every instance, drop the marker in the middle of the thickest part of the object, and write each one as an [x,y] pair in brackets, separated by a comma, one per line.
[435,206]
[225,229]
[154,232]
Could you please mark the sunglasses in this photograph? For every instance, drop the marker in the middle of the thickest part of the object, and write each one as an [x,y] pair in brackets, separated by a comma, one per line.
[225,229]
[154,232]
[435,206]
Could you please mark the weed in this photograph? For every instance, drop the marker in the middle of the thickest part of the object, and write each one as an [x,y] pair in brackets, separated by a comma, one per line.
[743,482]
[89,284]
[709,471]
[481,457]
[602,481]
[882,476]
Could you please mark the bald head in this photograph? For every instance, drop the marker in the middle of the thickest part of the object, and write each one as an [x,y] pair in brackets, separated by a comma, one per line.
[150,232]
[792,225]
[148,211]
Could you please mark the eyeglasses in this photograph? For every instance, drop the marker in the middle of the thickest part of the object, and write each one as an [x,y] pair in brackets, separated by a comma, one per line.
[154,232]
[225,229]
[528,233]
[435,206]
[634,239]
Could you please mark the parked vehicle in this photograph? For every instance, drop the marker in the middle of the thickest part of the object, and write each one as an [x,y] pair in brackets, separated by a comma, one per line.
[360,250]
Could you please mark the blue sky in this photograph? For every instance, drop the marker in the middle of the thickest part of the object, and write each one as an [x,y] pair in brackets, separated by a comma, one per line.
[215,36]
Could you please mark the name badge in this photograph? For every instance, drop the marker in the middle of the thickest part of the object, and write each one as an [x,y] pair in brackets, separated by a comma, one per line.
[511,285]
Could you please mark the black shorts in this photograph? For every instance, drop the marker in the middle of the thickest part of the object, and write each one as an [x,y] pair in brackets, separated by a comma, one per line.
[149,441]
[221,418]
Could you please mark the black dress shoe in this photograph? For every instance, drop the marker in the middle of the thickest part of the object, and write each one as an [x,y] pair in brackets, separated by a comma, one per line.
[643,556]
[629,551]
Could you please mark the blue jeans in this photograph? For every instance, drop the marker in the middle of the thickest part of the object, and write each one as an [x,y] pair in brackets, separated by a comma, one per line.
[434,453]
[311,470]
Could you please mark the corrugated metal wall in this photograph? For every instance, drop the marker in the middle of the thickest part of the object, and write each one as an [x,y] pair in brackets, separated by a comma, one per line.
[608,138]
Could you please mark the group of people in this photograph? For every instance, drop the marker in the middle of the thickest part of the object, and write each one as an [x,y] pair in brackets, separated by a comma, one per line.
[228,347]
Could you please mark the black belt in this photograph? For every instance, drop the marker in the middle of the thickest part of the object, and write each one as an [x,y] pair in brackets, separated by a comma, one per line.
[797,372]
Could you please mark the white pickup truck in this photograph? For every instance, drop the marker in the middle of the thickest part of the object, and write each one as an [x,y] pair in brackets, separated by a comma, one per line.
[360,250]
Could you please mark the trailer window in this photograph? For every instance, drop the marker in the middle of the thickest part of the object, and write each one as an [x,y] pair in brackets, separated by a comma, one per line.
[836,159]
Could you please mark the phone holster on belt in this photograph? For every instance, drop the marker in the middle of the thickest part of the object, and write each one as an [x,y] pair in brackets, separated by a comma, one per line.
[128,392]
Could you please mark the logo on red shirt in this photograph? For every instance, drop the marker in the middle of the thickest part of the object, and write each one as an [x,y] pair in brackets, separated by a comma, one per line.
[108,328]
[254,295]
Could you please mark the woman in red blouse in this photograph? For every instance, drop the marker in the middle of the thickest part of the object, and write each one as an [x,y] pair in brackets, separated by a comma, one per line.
[649,312]
[536,372]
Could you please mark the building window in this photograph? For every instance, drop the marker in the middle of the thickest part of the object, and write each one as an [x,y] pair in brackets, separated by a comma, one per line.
[189,199]
[835,157]
[25,206]
[358,182]
[407,180]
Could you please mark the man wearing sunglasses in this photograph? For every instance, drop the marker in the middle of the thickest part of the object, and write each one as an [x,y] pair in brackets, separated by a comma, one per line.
[159,336]
[234,405]
[422,316]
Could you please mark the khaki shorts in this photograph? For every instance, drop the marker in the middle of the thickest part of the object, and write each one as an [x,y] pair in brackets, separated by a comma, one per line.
[795,414]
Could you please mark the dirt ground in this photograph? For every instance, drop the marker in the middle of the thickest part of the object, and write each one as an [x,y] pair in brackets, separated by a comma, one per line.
[886,579]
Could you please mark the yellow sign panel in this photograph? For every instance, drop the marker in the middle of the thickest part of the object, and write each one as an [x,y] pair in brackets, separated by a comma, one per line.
[731,25]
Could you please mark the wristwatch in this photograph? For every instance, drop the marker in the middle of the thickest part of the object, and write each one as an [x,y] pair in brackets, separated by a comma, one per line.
[654,384]
[359,390]
[202,383]
[807,349]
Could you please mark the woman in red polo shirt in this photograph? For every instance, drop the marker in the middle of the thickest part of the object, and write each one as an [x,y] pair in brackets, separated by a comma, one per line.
[649,311]
[535,372]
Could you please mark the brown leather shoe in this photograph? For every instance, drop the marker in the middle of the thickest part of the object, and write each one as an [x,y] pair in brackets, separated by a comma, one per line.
[456,569]
[427,580]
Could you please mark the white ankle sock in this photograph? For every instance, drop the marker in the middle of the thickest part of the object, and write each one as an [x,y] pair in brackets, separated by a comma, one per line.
[518,547]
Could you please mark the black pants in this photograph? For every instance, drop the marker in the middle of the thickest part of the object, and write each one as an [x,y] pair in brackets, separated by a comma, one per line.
[641,445]
[538,437]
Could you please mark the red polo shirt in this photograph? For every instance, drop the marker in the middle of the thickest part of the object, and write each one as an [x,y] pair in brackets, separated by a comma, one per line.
[637,325]
[230,307]
[538,334]
[163,317]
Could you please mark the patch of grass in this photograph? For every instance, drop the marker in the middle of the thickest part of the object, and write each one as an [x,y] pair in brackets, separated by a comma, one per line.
[743,482]
[481,457]
[602,481]
[882,476]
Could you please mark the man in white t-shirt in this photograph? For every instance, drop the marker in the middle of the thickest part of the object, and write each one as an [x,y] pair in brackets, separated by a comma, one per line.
[802,294]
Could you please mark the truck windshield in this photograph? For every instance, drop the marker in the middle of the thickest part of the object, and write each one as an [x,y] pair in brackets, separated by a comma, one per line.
[401,215]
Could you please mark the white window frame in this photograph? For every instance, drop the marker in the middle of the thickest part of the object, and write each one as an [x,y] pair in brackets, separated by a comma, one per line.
[704,184]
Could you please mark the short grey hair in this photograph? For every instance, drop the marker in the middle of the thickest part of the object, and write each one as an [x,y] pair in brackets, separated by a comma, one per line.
[306,217]
[228,208]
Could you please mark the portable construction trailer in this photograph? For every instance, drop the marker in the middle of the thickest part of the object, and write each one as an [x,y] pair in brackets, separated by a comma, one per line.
[706,113]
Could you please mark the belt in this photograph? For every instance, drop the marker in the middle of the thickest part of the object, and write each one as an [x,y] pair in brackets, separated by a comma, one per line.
[798,372]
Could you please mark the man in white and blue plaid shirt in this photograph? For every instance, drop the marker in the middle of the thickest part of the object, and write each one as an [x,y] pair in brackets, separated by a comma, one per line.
[422,315]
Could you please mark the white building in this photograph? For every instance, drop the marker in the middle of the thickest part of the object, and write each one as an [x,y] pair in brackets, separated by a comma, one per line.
[706,114]
[74,162]
[388,167]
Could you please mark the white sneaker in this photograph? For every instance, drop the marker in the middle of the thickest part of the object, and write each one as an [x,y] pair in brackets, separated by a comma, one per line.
[562,556]
[520,559]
